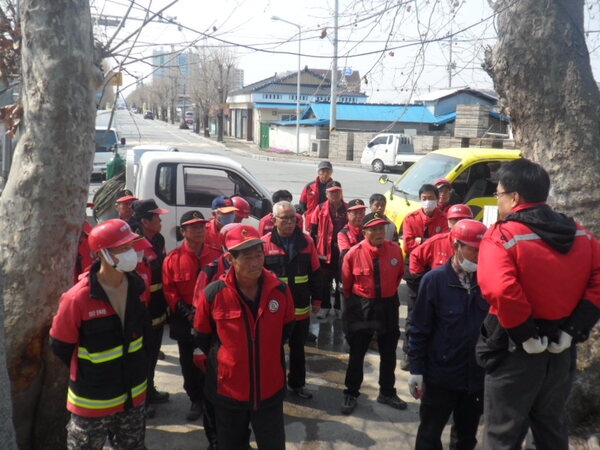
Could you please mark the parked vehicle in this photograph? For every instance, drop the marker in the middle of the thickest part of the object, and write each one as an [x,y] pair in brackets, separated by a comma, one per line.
[149,115]
[390,151]
[107,142]
[472,171]
[189,117]
[181,181]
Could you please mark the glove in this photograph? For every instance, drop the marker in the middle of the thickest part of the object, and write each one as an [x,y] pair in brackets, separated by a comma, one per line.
[564,342]
[187,310]
[200,359]
[535,345]
[415,385]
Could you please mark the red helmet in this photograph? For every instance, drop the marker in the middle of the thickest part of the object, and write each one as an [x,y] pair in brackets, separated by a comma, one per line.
[109,234]
[459,211]
[469,232]
[242,205]
[225,229]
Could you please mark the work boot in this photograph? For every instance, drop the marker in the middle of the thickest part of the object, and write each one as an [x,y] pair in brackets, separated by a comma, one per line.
[392,400]
[156,396]
[302,393]
[349,404]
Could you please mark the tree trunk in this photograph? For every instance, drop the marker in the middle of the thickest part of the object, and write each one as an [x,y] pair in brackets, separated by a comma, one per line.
[42,207]
[541,70]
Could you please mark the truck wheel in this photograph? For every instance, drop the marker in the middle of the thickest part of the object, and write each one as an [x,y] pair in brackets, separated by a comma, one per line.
[378,166]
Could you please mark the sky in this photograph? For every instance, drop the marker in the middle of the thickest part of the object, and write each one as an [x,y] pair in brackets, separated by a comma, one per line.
[401,48]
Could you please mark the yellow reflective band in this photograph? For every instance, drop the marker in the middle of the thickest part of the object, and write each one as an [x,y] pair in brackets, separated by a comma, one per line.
[297,280]
[136,345]
[139,389]
[89,403]
[159,320]
[155,287]
[100,357]
[302,311]
[301,279]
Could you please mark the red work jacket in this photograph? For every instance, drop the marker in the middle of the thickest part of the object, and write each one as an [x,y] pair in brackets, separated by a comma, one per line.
[358,276]
[434,252]
[418,224]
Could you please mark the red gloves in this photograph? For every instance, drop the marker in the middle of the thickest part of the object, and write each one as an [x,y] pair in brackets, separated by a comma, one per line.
[200,359]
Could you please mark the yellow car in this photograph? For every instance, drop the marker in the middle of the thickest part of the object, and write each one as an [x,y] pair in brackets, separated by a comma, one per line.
[472,171]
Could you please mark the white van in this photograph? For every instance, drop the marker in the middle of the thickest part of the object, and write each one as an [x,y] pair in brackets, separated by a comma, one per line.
[389,151]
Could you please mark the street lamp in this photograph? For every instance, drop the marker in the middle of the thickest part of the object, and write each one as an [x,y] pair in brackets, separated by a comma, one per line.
[297,83]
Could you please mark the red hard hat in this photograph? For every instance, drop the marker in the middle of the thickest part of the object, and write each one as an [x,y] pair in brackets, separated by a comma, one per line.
[469,232]
[109,234]
[242,205]
[225,229]
[459,211]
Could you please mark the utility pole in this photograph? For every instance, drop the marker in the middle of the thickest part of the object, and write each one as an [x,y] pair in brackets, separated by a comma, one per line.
[334,70]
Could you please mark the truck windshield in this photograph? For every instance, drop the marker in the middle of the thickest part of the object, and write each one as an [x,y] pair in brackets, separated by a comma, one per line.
[105,140]
[426,170]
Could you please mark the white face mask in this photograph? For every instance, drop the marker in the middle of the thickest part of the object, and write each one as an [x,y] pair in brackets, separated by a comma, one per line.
[128,260]
[468,266]
[428,205]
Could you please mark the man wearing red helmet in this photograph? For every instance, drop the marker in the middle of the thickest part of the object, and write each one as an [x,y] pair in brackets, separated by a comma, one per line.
[438,249]
[243,208]
[100,333]
[242,322]
[446,319]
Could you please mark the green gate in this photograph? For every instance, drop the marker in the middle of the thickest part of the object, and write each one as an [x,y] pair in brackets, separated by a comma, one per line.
[264,135]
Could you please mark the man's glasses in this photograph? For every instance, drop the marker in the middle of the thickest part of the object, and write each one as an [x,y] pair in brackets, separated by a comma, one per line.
[287,218]
[500,194]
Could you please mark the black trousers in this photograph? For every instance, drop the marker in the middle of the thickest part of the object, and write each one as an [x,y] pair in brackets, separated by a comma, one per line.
[329,273]
[297,374]
[267,424]
[527,391]
[155,344]
[193,378]
[387,344]
[436,406]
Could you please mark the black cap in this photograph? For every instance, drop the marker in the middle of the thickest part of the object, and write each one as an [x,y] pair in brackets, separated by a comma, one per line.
[333,186]
[374,219]
[356,204]
[191,217]
[149,206]
[325,165]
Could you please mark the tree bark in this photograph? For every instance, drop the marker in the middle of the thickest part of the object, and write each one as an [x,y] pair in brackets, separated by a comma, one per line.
[541,70]
[42,207]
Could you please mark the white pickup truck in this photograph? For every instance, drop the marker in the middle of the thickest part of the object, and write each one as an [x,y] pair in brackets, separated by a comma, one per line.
[182,181]
[389,151]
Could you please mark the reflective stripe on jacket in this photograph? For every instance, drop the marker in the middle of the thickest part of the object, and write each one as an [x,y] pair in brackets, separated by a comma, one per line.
[108,362]
[299,270]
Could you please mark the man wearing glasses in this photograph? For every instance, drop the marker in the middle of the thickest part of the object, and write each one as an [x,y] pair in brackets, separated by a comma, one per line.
[291,255]
[540,272]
